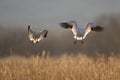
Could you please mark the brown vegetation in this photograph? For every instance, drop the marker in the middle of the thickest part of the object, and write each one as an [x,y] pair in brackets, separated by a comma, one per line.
[66,67]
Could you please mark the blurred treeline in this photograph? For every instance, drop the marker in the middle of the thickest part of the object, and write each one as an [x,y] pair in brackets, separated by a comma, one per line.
[14,40]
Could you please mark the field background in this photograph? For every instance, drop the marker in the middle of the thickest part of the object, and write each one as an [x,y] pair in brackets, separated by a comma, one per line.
[66,67]
[97,59]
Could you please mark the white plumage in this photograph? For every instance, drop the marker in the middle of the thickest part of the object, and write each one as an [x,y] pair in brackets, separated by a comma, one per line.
[36,36]
[80,33]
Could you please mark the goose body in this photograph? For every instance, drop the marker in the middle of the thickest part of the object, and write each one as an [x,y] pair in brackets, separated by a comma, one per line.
[36,36]
[80,33]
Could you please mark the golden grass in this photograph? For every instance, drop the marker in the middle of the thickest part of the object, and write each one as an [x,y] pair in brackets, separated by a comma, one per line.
[66,67]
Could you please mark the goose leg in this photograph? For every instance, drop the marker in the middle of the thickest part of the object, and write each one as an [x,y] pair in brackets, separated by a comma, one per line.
[75,41]
[82,42]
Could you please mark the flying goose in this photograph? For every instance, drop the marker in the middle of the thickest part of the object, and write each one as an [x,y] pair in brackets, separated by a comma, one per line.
[36,36]
[80,33]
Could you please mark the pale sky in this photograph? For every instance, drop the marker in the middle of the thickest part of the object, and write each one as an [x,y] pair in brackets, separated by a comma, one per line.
[51,12]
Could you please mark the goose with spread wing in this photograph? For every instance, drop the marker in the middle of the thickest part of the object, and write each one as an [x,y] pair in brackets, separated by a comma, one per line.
[80,33]
[36,36]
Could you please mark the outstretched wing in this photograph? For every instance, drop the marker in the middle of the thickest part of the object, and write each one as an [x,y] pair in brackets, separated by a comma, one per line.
[87,30]
[72,25]
[30,33]
[66,25]
[92,27]
[43,34]
[97,28]
[31,37]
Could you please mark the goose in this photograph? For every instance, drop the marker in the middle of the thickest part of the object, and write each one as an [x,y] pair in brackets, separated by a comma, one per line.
[80,33]
[36,36]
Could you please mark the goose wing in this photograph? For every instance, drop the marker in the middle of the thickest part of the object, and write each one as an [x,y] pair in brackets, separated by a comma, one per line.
[92,27]
[87,30]
[43,34]
[30,33]
[96,28]
[72,25]
[66,25]
[31,36]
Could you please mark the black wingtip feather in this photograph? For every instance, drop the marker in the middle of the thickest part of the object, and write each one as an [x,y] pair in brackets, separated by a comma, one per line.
[97,28]
[46,34]
[28,27]
[65,25]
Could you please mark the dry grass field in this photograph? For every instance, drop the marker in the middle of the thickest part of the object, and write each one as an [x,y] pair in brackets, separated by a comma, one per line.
[66,67]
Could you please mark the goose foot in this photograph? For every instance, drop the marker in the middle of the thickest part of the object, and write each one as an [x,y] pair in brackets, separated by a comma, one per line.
[75,42]
[82,42]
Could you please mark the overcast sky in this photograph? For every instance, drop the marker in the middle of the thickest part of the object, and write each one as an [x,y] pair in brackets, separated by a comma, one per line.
[51,12]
